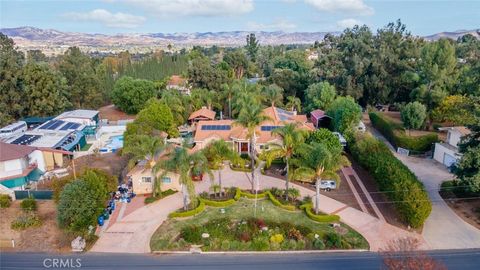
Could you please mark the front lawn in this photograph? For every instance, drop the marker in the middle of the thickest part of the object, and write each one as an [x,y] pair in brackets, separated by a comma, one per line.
[236,229]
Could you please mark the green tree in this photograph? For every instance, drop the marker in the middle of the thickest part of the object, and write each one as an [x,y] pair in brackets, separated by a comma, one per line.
[320,96]
[45,91]
[294,104]
[216,153]
[252,46]
[181,162]
[456,109]
[413,115]
[292,138]
[238,61]
[346,114]
[177,104]
[468,168]
[82,80]
[157,116]
[250,117]
[130,95]
[326,137]
[317,162]
[143,147]
[11,87]
[273,94]
[203,74]
[228,92]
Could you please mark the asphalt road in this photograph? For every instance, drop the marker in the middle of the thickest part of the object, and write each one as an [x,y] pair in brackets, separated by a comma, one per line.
[453,259]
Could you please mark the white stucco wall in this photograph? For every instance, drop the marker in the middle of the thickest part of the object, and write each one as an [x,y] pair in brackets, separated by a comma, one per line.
[440,152]
[37,157]
[454,137]
[12,167]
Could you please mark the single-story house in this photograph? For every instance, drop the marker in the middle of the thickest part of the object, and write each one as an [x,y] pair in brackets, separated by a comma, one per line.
[320,119]
[447,152]
[20,164]
[204,114]
[142,179]
[208,131]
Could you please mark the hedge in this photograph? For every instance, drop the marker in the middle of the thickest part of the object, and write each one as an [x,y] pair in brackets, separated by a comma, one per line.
[218,203]
[391,175]
[278,203]
[193,212]
[252,196]
[165,193]
[319,218]
[396,135]
[238,194]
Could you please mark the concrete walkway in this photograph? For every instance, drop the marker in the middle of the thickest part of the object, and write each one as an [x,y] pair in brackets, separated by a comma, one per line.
[443,229]
[132,234]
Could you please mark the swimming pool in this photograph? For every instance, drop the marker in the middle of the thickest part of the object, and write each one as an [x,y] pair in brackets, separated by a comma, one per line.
[113,144]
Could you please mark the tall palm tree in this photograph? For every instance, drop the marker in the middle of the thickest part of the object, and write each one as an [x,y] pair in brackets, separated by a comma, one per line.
[228,91]
[143,147]
[250,117]
[273,94]
[294,103]
[216,152]
[292,138]
[244,93]
[317,161]
[179,161]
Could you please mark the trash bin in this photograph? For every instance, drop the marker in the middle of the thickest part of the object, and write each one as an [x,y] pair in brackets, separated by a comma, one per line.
[100,220]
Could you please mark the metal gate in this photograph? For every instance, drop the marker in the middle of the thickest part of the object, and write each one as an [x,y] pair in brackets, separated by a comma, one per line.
[37,194]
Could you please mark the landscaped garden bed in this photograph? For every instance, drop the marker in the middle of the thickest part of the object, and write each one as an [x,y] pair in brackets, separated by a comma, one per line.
[235,228]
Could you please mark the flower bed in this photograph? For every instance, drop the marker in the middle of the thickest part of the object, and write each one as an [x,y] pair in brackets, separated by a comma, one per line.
[235,228]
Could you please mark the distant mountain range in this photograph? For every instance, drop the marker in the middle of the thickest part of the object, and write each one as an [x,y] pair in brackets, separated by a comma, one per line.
[31,37]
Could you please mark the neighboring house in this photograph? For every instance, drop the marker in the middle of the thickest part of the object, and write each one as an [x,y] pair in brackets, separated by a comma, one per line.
[179,83]
[208,131]
[320,119]
[203,114]
[20,164]
[142,179]
[447,152]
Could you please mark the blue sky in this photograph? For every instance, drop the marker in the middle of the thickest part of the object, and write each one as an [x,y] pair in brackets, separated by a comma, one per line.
[169,16]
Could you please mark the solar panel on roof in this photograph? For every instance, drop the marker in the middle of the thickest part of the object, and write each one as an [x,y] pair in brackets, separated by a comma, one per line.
[26,139]
[268,128]
[75,125]
[56,124]
[216,127]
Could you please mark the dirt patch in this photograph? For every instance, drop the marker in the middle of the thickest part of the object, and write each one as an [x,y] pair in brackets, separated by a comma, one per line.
[46,238]
[467,209]
[112,113]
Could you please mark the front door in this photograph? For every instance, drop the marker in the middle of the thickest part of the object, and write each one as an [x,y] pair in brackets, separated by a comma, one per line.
[244,147]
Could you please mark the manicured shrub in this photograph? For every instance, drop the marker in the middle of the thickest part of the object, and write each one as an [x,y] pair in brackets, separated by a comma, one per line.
[252,196]
[5,201]
[318,244]
[408,194]
[29,204]
[278,203]
[319,218]
[294,234]
[165,193]
[218,203]
[260,244]
[238,194]
[396,135]
[198,210]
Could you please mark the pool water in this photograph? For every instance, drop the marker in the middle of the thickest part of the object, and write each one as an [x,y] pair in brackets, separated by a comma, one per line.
[114,143]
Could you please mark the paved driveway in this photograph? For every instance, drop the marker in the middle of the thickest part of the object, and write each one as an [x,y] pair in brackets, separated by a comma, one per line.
[443,229]
[132,233]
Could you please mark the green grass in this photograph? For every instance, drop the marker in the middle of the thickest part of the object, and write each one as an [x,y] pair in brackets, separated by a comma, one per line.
[86,147]
[167,235]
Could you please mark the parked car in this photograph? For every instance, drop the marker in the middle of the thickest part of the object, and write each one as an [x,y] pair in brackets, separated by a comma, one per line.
[361,127]
[340,137]
[328,185]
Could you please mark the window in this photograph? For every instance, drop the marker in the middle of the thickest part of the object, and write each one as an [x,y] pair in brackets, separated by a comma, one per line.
[166,180]
[264,147]
[147,179]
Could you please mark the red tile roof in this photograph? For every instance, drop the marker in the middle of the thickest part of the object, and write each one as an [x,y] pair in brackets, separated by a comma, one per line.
[202,113]
[14,151]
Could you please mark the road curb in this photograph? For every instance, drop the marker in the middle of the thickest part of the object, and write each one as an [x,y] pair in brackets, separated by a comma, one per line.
[262,252]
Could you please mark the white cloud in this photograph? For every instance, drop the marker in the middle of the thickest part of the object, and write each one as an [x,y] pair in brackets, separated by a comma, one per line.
[282,25]
[348,23]
[119,19]
[174,8]
[357,7]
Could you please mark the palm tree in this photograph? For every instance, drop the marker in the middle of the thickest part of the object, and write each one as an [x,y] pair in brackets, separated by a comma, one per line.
[244,93]
[317,161]
[228,92]
[273,93]
[293,103]
[143,147]
[250,117]
[179,161]
[292,138]
[216,152]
